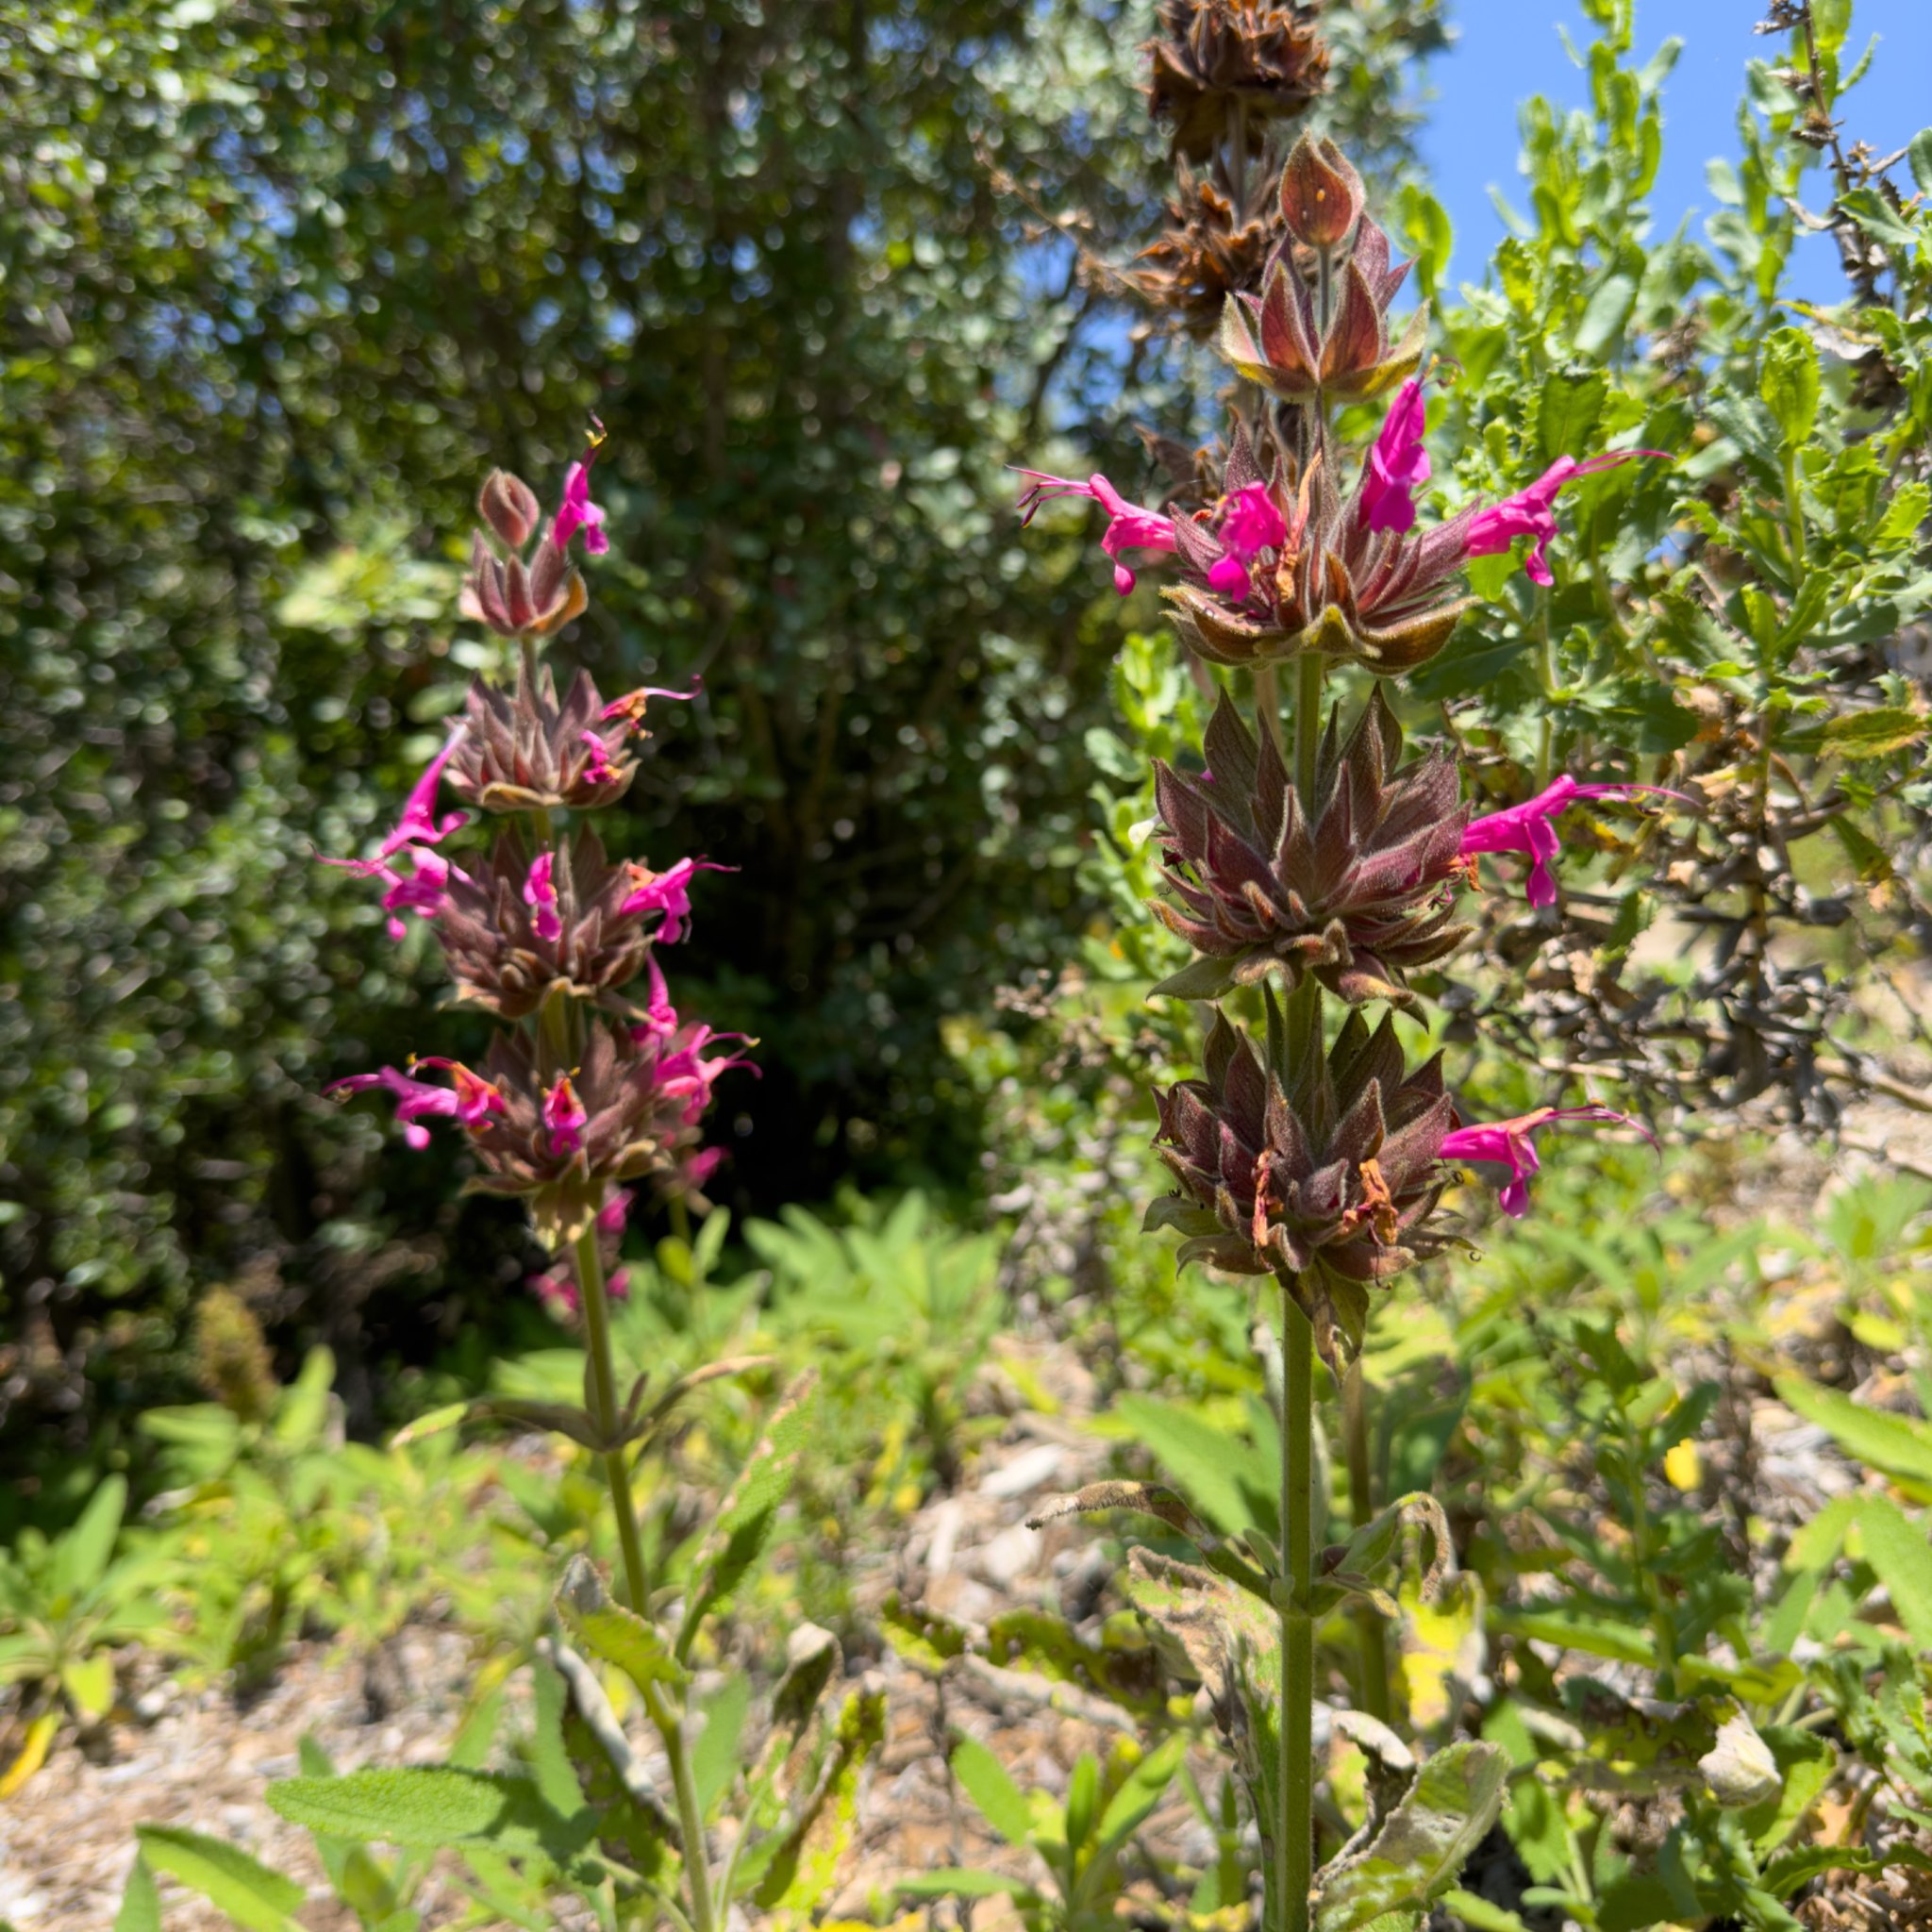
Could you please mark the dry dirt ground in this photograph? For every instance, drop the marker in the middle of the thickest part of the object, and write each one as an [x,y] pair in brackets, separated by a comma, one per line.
[202,1759]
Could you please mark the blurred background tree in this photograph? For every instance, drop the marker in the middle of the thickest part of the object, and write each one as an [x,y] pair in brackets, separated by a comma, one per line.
[278,284]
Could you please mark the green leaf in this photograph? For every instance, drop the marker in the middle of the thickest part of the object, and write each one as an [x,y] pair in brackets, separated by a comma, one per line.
[1805,1764]
[805,1872]
[1920,155]
[1787,381]
[1878,218]
[303,1411]
[613,1631]
[81,1556]
[1568,410]
[1422,1844]
[1899,1445]
[1201,978]
[140,1903]
[1627,1643]
[1606,320]
[714,1756]
[964,1883]
[1207,1463]
[1873,734]
[89,1682]
[1870,859]
[432,1807]
[1480,1915]
[1899,1550]
[744,1522]
[225,1875]
[1140,1792]
[1001,1802]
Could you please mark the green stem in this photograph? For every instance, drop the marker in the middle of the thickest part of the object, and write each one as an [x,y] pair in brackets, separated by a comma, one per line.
[602,1390]
[1361,1506]
[1294,1828]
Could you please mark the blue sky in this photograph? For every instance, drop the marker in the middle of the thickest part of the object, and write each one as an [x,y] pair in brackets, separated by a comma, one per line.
[1508,50]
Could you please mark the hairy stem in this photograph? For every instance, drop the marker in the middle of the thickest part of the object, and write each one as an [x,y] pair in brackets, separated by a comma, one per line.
[1294,1829]
[1311,669]
[1361,1509]
[602,1390]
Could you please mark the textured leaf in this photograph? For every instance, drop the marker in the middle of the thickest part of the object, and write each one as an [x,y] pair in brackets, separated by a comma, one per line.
[806,1871]
[613,1632]
[1001,1802]
[432,1807]
[1899,1445]
[1414,1859]
[1899,1550]
[744,1522]
[141,1901]
[225,1875]
[1873,734]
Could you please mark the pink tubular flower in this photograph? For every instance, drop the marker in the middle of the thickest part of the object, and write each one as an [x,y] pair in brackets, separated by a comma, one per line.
[630,707]
[539,895]
[564,1119]
[1130,526]
[1528,513]
[1250,523]
[1527,827]
[419,824]
[1511,1144]
[469,1100]
[421,889]
[668,893]
[660,1016]
[1398,465]
[578,512]
[600,771]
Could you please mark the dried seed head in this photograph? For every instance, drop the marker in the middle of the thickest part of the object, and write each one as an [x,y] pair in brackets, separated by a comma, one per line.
[1213,53]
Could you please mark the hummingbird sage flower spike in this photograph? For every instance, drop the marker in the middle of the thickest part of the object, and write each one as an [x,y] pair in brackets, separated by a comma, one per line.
[1356,887]
[1530,828]
[1320,1169]
[1511,1144]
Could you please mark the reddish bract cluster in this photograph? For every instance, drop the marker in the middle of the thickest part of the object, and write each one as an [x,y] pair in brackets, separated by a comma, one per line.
[594,1091]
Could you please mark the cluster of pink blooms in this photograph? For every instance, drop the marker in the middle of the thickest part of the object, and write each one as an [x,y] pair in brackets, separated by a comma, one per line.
[565,1130]
[1231,549]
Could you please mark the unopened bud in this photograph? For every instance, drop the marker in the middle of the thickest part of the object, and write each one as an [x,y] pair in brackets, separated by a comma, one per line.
[1322,197]
[509,506]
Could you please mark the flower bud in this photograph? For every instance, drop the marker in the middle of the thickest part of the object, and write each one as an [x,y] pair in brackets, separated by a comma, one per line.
[1322,197]
[509,506]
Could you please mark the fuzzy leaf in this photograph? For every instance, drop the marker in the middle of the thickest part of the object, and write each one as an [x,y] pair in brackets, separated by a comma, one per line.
[234,1883]
[1421,1848]
[431,1808]
[615,1633]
